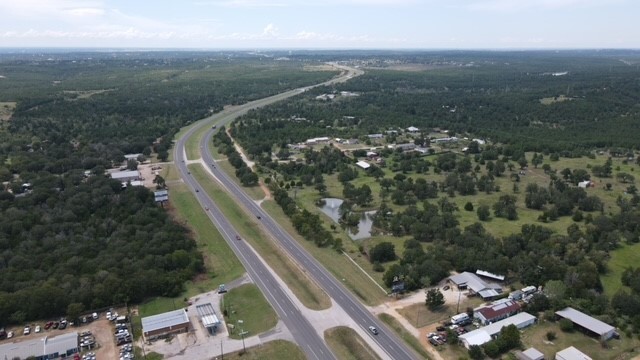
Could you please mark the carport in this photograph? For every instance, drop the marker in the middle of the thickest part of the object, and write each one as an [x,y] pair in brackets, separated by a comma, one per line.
[208,317]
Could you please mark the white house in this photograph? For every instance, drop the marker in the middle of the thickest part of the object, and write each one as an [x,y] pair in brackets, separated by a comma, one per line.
[571,353]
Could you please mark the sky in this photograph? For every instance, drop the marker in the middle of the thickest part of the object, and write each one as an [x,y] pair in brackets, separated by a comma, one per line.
[321,24]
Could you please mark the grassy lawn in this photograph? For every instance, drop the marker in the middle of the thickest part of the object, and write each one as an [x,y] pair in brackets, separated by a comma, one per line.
[625,256]
[221,263]
[341,267]
[302,286]
[404,334]
[277,349]
[247,303]
[346,344]
[192,147]
[254,192]
[535,336]
[419,315]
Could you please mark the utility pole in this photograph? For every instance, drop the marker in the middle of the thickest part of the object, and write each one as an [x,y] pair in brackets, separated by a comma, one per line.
[458,307]
[221,350]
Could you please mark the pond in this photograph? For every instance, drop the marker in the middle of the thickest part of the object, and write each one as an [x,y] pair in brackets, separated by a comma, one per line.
[331,208]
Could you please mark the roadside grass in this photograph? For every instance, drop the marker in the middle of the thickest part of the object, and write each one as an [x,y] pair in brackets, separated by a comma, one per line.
[247,303]
[192,147]
[276,349]
[535,336]
[621,258]
[221,263]
[419,315]
[346,344]
[302,286]
[338,264]
[404,334]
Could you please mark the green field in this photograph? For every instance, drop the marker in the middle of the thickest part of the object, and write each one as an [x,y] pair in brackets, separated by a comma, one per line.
[248,227]
[621,258]
[247,303]
[404,334]
[277,349]
[625,348]
[346,344]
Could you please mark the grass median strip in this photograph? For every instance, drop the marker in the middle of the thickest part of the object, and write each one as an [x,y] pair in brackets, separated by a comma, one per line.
[404,334]
[346,344]
[221,263]
[247,310]
[296,279]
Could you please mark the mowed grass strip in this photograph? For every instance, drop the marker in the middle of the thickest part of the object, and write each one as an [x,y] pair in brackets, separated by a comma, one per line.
[404,334]
[221,263]
[254,192]
[247,303]
[277,349]
[338,264]
[346,344]
[296,279]
[621,258]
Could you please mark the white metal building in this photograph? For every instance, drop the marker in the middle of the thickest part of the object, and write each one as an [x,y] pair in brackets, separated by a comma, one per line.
[124,176]
[485,334]
[571,353]
[172,322]
[42,348]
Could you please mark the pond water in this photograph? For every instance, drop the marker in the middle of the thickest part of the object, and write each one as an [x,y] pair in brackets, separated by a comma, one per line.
[331,208]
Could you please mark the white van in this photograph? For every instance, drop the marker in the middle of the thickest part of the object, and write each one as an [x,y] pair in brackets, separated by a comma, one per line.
[460,319]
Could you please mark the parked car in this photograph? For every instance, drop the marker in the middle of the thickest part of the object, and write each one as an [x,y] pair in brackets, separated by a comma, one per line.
[9,334]
[27,330]
[38,329]
[3,334]
[56,325]
[48,325]
[63,325]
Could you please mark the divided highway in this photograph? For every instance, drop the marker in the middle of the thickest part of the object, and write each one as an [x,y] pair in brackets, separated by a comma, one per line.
[304,334]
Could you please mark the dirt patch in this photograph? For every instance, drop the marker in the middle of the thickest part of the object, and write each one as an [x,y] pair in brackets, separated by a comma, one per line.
[6,110]
[555,99]
[148,172]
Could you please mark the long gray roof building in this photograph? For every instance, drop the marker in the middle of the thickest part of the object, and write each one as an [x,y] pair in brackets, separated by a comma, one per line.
[604,330]
[41,348]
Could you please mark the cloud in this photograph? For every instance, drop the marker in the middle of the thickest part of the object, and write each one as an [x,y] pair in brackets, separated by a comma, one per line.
[270,31]
[83,12]
[241,3]
[522,5]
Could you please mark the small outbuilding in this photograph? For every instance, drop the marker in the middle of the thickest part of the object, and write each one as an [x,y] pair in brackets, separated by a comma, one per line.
[529,354]
[588,323]
[161,325]
[126,176]
[571,353]
[363,164]
[208,317]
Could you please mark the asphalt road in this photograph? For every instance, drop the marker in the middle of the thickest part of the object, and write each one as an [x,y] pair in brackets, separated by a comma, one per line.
[304,334]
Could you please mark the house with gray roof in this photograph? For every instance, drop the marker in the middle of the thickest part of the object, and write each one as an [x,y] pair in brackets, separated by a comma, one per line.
[42,348]
[588,323]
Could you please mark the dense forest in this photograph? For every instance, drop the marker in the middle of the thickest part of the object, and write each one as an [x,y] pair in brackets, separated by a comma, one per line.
[538,100]
[70,237]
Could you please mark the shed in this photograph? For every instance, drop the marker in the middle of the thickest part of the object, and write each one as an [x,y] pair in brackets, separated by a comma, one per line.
[172,322]
[412,129]
[471,281]
[591,324]
[571,353]
[42,348]
[530,354]
[490,275]
[363,164]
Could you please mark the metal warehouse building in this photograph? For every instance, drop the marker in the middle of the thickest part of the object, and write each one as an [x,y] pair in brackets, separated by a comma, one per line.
[42,348]
[161,325]
[584,321]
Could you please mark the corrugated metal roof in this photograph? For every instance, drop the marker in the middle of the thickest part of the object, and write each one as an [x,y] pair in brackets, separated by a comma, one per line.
[40,346]
[363,164]
[533,354]
[585,321]
[572,353]
[519,320]
[125,174]
[164,320]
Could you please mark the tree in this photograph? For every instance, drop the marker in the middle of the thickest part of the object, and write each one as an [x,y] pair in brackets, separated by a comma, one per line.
[132,164]
[468,206]
[475,352]
[382,252]
[624,177]
[74,310]
[160,182]
[483,213]
[434,299]
[566,325]
[505,207]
